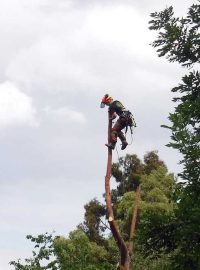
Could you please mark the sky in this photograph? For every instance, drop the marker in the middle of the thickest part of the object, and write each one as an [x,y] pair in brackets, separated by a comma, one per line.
[58,58]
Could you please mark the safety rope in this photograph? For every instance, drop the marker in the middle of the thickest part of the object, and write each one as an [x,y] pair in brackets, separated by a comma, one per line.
[117,154]
[131,136]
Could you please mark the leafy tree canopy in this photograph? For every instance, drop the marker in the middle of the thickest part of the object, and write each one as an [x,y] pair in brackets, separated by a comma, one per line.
[179,40]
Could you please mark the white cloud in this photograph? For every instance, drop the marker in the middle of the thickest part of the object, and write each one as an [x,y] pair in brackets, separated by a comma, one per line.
[65,114]
[122,26]
[102,41]
[52,62]
[15,107]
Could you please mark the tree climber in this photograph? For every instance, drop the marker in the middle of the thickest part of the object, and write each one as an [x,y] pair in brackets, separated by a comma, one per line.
[125,119]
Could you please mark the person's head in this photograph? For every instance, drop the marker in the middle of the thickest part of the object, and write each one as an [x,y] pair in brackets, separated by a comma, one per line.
[106,100]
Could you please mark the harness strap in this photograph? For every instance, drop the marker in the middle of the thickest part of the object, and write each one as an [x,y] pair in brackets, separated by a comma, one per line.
[130,121]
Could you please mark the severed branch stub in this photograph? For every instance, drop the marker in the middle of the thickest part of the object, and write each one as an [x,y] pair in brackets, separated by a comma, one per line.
[110,219]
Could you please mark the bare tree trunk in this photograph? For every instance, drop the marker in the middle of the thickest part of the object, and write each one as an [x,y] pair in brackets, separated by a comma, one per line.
[134,221]
[124,254]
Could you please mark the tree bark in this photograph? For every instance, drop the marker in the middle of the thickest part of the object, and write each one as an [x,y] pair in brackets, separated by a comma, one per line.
[134,220]
[124,254]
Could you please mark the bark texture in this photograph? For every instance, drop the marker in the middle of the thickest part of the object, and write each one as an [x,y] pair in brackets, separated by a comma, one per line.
[124,253]
[134,221]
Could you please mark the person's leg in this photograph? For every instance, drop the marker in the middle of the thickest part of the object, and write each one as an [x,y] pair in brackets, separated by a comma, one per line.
[113,139]
[117,132]
[123,139]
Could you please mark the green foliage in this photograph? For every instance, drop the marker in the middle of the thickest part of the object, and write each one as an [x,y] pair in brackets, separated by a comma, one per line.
[155,226]
[186,127]
[92,225]
[179,40]
[140,262]
[129,170]
[152,162]
[43,255]
[78,252]
[73,253]
[161,180]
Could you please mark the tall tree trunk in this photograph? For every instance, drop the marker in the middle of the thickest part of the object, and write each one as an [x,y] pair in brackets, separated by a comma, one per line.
[134,220]
[124,254]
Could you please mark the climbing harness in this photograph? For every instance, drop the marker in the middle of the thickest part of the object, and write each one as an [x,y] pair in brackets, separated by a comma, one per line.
[129,120]
[130,123]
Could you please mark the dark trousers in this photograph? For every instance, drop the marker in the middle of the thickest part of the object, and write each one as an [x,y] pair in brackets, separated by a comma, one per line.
[116,130]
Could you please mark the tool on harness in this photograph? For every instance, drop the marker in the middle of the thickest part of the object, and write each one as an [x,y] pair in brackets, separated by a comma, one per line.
[129,120]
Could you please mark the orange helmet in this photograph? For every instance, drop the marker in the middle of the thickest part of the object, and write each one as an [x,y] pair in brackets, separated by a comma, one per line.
[106,100]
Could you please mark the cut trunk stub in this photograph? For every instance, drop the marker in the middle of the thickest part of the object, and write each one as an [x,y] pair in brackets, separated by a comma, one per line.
[110,219]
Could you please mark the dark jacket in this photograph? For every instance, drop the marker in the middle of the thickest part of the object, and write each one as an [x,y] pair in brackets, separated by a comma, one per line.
[116,107]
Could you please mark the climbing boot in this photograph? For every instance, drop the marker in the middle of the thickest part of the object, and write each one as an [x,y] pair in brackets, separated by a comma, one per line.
[110,145]
[124,144]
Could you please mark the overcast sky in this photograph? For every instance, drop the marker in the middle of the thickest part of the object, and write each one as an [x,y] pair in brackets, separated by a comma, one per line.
[58,58]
